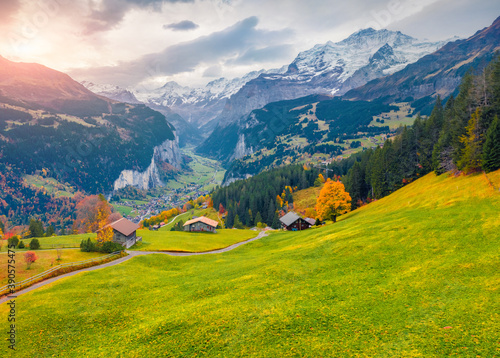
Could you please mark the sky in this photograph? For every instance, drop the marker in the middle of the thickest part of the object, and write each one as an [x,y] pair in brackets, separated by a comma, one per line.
[134,43]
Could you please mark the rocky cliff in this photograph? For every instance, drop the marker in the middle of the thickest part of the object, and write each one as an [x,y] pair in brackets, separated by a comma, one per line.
[167,152]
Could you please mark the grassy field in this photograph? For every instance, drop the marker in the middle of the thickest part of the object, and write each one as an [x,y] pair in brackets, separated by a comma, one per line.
[412,275]
[306,199]
[62,241]
[51,185]
[122,209]
[46,260]
[190,241]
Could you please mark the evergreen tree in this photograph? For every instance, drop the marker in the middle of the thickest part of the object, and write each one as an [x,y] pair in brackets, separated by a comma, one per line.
[470,159]
[491,148]
[258,218]
[237,223]
[276,221]
[34,244]
[270,213]
[50,231]
[36,228]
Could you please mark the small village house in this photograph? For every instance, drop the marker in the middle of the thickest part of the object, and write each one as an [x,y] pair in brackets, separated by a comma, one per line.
[125,232]
[201,224]
[293,222]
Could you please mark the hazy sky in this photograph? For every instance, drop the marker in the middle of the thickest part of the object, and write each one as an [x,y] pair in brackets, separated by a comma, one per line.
[126,42]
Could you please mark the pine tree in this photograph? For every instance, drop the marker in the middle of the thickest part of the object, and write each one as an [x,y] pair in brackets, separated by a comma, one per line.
[470,159]
[237,223]
[491,148]
[270,213]
[258,218]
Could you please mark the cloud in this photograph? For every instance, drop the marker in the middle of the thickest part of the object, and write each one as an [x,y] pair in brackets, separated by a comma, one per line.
[111,12]
[229,44]
[184,25]
[257,55]
[7,9]
[213,71]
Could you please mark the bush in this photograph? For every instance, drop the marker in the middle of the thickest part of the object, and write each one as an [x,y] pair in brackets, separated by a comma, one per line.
[34,244]
[13,241]
[110,246]
[88,245]
[21,245]
[318,222]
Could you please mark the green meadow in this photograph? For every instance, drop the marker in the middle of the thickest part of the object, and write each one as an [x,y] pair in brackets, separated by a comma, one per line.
[415,274]
[164,240]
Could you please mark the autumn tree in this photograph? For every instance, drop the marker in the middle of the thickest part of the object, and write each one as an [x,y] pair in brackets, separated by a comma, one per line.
[333,200]
[221,209]
[473,143]
[30,257]
[92,213]
[104,235]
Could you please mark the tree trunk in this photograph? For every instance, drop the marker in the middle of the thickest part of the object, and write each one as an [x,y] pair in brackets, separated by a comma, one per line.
[334,218]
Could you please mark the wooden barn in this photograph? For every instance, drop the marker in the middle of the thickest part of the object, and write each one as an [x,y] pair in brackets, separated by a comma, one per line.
[293,222]
[201,224]
[124,232]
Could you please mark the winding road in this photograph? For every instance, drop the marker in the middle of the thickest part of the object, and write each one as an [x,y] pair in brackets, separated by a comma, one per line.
[131,254]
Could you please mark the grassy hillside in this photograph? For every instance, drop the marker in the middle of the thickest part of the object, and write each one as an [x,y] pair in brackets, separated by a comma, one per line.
[190,241]
[412,275]
[46,260]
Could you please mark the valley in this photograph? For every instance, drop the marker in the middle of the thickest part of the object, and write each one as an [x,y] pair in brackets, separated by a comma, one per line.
[233,179]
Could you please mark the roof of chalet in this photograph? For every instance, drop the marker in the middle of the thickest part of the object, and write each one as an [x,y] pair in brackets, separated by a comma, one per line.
[124,226]
[310,221]
[289,218]
[204,220]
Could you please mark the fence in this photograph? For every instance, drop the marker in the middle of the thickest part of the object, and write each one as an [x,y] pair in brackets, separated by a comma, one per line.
[50,273]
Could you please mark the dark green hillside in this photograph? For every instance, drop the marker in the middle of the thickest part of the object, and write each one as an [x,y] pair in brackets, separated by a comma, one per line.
[87,152]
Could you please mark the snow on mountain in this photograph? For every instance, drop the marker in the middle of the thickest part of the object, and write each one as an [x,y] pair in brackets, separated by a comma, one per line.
[330,68]
[198,105]
[111,91]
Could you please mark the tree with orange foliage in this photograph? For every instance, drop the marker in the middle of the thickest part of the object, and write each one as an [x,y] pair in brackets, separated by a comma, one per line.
[221,209]
[333,201]
[30,257]
[92,213]
[104,235]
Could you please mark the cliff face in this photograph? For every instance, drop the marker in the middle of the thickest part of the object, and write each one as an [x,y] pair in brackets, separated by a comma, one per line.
[167,152]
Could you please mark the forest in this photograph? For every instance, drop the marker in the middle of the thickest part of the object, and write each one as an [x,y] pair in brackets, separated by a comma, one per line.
[460,135]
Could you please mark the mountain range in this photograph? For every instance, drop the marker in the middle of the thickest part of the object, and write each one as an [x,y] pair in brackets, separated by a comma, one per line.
[367,65]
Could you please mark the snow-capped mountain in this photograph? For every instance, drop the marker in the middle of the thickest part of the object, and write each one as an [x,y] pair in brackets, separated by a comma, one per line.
[201,105]
[331,68]
[111,91]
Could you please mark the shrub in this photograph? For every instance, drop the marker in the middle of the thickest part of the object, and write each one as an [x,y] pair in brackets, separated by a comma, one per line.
[21,245]
[13,241]
[110,246]
[30,257]
[34,244]
[88,245]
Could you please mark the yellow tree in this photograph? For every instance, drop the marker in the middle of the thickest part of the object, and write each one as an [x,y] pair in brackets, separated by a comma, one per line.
[333,201]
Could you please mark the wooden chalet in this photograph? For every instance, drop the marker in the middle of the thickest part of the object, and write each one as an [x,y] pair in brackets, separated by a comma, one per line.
[293,222]
[201,224]
[125,232]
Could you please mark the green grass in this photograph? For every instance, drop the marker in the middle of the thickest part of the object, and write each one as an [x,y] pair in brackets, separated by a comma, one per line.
[62,241]
[51,185]
[166,240]
[412,275]
[46,260]
[122,209]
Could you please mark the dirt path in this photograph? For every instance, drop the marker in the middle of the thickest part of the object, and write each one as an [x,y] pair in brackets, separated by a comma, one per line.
[132,254]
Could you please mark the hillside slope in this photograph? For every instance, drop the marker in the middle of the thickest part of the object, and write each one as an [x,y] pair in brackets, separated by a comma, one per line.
[413,274]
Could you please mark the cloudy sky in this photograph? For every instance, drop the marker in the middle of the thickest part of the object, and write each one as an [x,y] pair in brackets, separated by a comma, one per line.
[149,42]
